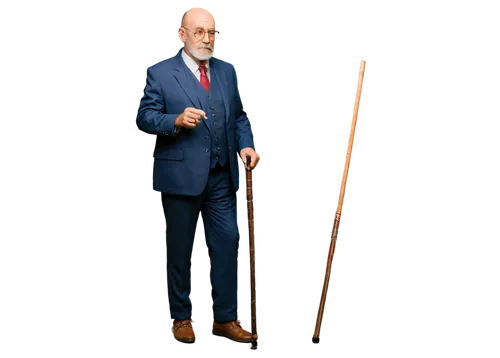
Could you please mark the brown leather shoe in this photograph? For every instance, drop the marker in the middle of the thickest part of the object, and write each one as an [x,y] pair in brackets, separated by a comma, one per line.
[183,331]
[233,331]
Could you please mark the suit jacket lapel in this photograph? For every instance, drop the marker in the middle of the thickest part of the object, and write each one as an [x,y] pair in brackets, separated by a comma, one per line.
[181,75]
[221,79]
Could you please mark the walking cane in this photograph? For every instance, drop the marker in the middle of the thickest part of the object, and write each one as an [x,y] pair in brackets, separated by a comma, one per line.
[336,224]
[252,251]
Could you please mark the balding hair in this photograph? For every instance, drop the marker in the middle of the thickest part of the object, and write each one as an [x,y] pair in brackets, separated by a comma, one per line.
[183,18]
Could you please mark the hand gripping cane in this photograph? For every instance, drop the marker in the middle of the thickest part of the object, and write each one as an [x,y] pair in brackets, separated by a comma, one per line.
[335,224]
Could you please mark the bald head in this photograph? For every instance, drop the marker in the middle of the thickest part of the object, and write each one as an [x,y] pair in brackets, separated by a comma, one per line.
[198,17]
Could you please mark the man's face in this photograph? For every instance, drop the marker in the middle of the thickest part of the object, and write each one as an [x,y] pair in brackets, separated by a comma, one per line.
[196,36]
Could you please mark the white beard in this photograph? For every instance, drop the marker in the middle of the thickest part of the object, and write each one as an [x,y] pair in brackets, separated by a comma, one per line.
[199,56]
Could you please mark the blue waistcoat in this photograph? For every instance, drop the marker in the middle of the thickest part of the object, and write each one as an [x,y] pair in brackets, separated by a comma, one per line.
[214,104]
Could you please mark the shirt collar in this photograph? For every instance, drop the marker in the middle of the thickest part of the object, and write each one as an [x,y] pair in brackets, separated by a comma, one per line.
[191,63]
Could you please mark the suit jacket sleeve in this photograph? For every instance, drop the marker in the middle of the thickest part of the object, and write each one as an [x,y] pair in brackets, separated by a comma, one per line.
[152,117]
[244,136]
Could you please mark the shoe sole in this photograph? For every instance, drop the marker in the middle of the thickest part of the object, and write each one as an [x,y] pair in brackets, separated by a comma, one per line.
[184,342]
[215,333]
[180,341]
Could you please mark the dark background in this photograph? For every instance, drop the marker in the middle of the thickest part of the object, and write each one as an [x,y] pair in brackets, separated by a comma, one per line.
[297,101]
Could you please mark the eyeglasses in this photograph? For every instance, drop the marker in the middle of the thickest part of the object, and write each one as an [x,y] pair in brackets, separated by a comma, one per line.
[199,34]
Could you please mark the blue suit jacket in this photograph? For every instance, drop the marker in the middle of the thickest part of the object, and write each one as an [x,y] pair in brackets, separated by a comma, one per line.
[182,157]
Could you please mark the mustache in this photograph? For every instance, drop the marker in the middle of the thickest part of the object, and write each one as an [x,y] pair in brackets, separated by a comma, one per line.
[207,47]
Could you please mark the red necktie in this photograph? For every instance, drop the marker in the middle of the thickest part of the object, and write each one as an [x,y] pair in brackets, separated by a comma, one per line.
[203,77]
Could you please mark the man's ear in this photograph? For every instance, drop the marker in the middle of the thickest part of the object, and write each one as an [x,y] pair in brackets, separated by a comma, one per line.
[182,34]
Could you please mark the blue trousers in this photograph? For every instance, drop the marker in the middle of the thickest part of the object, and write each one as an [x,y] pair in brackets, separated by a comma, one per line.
[217,205]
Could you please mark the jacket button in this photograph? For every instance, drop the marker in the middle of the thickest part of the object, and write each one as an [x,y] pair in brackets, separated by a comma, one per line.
[206,150]
[207,137]
[211,107]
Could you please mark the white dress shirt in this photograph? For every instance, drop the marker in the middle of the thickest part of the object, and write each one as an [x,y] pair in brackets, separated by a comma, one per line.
[194,67]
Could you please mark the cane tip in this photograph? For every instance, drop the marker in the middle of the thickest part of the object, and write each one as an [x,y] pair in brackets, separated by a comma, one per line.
[254,345]
[315,339]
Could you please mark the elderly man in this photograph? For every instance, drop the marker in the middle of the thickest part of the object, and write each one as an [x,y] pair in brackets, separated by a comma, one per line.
[192,104]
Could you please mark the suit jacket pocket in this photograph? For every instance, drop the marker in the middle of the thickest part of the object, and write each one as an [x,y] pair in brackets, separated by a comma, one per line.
[170,154]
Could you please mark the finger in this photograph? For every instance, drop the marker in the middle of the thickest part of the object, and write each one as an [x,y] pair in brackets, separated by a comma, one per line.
[198,112]
[203,114]
[253,162]
[194,117]
[190,122]
[244,160]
